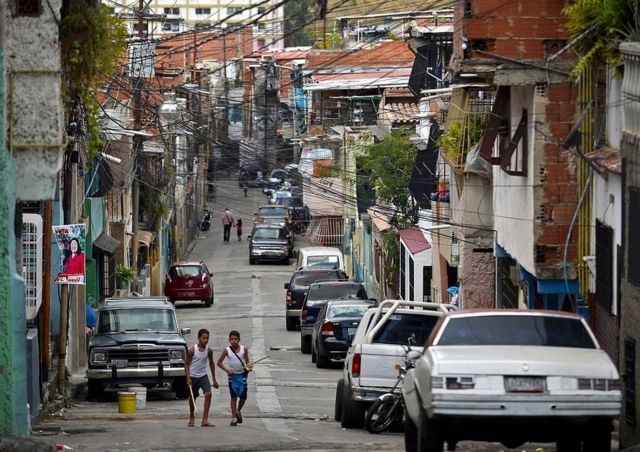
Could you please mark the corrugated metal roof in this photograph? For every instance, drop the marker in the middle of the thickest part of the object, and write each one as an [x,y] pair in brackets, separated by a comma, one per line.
[607,158]
[415,240]
[383,78]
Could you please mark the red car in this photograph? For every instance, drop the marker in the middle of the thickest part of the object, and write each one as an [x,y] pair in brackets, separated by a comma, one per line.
[189,281]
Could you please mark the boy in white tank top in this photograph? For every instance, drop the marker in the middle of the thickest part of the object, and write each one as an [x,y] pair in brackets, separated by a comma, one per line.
[238,366]
[195,367]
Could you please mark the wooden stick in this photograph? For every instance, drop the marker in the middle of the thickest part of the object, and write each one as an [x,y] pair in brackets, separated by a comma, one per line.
[257,360]
[193,400]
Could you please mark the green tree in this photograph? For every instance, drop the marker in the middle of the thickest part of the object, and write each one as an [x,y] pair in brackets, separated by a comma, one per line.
[390,164]
[297,15]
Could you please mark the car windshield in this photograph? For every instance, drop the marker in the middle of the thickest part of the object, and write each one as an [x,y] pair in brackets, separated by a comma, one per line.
[186,271]
[400,327]
[273,212]
[336,292]
[516,330]
[328,261]
[350,311]
[269,233]
[139,319]
[306,279]
[291,202]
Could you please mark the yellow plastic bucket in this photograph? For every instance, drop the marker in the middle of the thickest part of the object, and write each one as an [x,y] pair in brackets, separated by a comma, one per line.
[126,402]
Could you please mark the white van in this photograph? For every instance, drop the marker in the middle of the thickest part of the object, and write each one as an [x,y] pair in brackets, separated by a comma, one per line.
[320,256]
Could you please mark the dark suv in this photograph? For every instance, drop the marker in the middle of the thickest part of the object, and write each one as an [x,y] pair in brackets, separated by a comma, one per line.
[270,242]
[298,286]
[319,294]
[137,340]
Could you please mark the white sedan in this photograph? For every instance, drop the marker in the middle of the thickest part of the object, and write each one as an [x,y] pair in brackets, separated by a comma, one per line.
[512,377]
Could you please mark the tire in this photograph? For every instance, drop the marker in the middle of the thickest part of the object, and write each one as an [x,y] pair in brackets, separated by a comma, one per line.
[179,386]
[208,302]
[291,323]
[95,390]
[352,411]
[568,445]
[410,434]
[322,362]
[598,437]
[337,410]
[381,414]
[314,356]
[252,261]
[429,439]
[305,344]
[173,302]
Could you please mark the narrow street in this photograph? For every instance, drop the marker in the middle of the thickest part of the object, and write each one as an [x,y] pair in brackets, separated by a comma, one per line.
[290,403]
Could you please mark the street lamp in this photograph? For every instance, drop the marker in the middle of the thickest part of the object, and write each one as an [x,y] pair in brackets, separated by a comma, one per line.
[169,114]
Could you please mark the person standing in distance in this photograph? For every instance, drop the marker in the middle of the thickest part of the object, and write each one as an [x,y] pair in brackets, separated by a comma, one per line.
[237,370]
[227,222]
[195,367]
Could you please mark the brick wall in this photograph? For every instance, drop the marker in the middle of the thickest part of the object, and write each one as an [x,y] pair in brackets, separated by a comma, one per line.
[514,29]
[384,54]
[557,176]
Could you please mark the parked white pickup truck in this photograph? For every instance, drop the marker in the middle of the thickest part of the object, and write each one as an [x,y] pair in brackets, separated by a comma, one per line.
[377,346]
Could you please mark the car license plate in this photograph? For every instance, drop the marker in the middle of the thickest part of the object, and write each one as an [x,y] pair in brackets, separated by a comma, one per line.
[351,331]
[189,294]
[120,363]
[525,384]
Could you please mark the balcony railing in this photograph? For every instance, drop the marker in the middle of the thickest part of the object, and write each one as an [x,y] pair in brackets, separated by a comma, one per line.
[631,87]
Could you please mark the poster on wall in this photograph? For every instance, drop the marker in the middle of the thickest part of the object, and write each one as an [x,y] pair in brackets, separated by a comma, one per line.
[71,243]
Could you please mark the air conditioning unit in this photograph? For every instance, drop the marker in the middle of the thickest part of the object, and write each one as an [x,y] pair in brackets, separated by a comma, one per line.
[32,263]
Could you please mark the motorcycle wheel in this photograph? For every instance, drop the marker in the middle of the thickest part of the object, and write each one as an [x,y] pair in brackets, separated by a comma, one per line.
[381,414]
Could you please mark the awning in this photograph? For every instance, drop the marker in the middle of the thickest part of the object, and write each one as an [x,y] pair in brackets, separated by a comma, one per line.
[106,244]
[146,237]
[415,240]
[379,219]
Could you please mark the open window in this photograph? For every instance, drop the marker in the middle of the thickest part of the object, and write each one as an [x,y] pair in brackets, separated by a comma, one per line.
[511,148]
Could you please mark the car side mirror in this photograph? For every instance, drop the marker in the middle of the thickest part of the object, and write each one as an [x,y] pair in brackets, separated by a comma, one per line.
[286,285]
[249,237]
[210,273]
[413,355]
[185,331]
[375,300]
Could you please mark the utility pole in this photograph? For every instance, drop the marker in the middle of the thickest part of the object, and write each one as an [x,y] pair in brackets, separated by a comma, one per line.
[137,143]
[45,309]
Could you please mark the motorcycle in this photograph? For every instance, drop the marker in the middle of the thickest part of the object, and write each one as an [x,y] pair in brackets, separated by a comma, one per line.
[205,224]
[389,407]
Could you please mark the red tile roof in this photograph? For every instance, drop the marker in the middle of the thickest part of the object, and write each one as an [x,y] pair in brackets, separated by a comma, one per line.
[415,240]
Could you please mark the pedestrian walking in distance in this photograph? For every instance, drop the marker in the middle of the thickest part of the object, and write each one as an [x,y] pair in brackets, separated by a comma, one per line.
[239,228]
[195,367]
[237,368]
[227,222]
[245,188]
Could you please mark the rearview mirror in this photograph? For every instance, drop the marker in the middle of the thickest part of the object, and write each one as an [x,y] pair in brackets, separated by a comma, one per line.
[249,237]
[185,331]
[286,285]
[413,355]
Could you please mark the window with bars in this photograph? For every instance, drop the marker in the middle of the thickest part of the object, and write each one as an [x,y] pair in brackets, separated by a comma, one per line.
[403,281]
[27,8]
[32,263]
[411,280]
[633,238]
[108,288]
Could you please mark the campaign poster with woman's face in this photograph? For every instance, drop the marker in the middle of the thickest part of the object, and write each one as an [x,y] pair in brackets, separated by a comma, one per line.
[71,243]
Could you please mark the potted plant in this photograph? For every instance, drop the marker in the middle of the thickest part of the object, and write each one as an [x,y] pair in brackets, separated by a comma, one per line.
[124,276]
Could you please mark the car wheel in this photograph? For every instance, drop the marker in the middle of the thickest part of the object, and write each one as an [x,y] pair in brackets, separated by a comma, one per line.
[352,411]
[314,356]
[429,439]
[172,301]
[208,302]
[410,434]
[598,437]
[291,323]
[95,390]
[305,344]
[179,386]
[322,362]
[252,261]
[568,445]
[337,410]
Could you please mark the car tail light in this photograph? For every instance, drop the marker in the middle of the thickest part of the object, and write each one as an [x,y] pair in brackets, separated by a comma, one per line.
[436,383]
[304,315]
[289,301]
[598,384]
[327,329]
[355,365]
[460,383]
